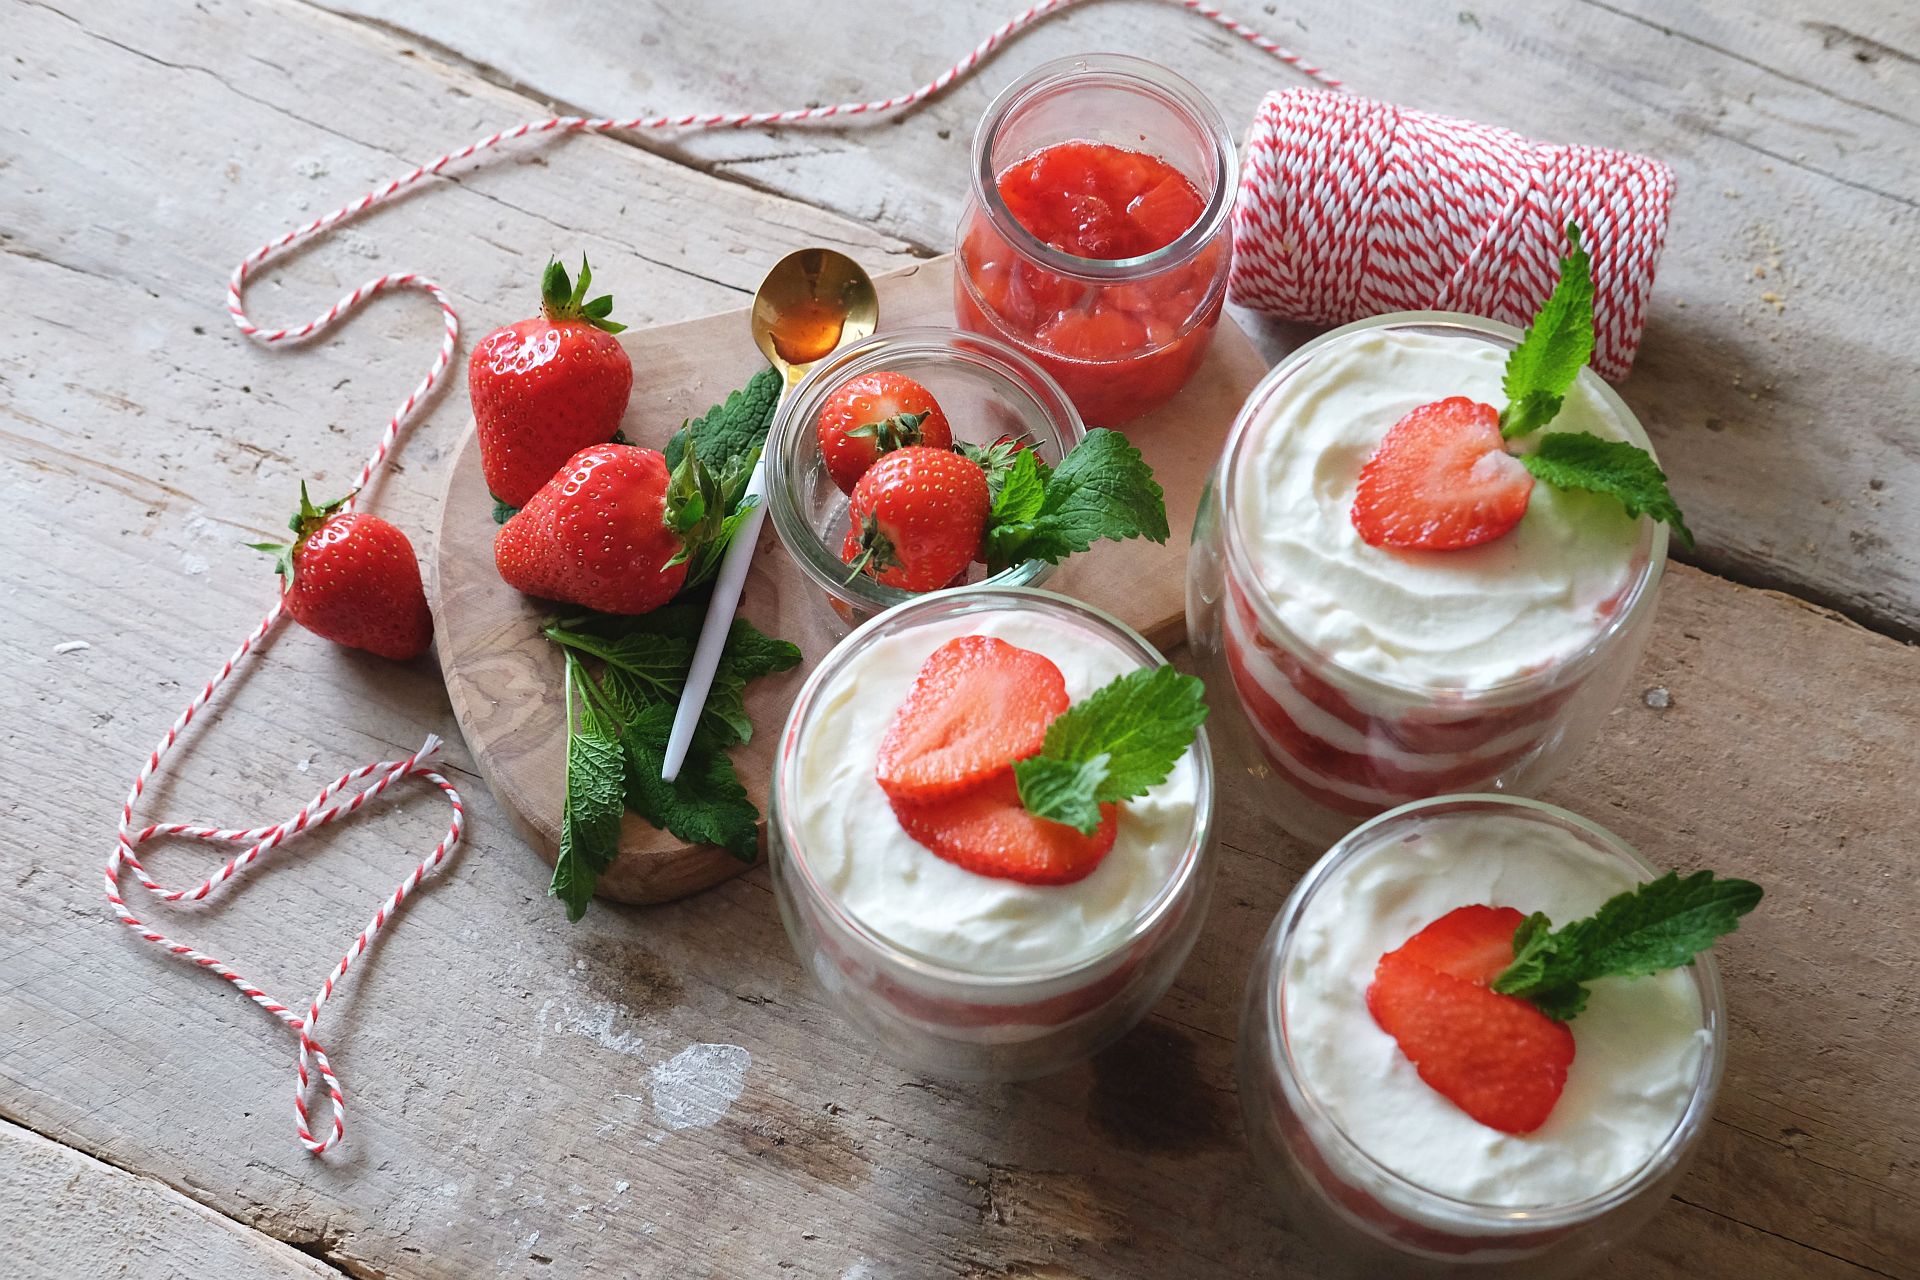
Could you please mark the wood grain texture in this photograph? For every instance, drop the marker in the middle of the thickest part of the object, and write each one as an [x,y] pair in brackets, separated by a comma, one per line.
[510,1078]
[504,677]
[1795,137]
[65,1215]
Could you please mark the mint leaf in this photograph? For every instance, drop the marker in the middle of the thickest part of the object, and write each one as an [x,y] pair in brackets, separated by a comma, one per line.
[725,435]
[595,796]
[625,718]
[1580,460]
[1117,743]
[1103,489]
[1659,925]
[1023,491]
[1554,349]
[706,804]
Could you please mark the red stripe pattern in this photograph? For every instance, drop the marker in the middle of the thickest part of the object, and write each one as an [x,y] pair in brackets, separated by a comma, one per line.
[1350,208]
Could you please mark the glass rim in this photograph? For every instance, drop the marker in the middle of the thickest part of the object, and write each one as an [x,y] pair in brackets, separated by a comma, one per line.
[1653,538]
[979,597]
[1514,1218]
[1155,80]
[816,558]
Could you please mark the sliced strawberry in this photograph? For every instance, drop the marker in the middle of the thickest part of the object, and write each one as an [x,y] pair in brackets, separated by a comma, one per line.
[978,705]
[988,831]
[1496,1057]
[1441,479]
[1471,943]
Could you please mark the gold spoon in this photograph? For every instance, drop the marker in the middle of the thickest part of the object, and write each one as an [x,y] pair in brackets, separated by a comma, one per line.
[810,303]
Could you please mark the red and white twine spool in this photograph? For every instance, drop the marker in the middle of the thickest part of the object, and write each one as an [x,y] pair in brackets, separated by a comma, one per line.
[1346,207]
[1351,207]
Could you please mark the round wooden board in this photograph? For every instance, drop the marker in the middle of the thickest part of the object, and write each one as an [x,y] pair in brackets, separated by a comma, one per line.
[503,676]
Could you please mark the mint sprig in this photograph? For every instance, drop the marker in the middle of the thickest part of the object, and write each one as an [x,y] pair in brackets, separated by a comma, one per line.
[710,459]
[1554,349]
[1540,372]
[617,727]
[1102,489]
[1117,743]
[1581,460]
[1659,925]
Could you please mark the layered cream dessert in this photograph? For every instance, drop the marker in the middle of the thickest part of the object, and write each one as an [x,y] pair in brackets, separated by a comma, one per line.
[1639,1044]
[1374,675]
[860,854]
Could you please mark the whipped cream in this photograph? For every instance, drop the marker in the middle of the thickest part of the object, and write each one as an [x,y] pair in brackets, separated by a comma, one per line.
[901,890]
[1463,619]
[1638,1046]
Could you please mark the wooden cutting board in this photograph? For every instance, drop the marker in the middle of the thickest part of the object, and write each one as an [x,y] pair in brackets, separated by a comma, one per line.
[504,677]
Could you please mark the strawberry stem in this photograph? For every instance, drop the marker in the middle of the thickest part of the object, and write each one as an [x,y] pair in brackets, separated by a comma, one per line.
[304,522]
[563,299]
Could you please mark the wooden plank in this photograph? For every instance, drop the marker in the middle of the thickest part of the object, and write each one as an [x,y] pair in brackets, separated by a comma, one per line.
[501,672]
[1786,295]
[513,1079]
[64,1214]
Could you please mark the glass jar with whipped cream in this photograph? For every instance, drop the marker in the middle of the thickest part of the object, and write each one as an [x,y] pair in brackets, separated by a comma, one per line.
[1095,236]
[1368,677]
[1381,1169]
[955,973]
[987,391]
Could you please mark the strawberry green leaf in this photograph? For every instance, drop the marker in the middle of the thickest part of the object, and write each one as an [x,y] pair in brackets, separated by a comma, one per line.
[1103,489]
[1656,926]
[997,459]
[562,299]
[502,512]
[1117,743]
[1581,460]
[1554,349]
[595,796]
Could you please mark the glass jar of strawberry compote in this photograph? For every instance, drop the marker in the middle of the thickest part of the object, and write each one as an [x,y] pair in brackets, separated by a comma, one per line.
[1095,232]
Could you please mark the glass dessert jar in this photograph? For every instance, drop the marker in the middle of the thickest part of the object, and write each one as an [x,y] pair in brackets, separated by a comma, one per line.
[954,973]
[1385,1173]
[1095,232]
[1367,677]
[986,389]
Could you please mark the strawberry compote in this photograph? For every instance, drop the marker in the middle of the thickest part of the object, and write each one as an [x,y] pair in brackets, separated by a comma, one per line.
[955,968]
[1104,260]
[1391,1175]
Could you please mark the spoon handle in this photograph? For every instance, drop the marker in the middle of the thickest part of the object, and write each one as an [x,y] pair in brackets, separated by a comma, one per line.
[727,585]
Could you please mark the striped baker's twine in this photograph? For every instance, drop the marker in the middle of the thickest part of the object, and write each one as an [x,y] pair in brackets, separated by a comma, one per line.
[1263,281]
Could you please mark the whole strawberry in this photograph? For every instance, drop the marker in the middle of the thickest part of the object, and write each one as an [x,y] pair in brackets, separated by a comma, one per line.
[604,533]
[352,578]
[875,414]
[916,518]
[546,388]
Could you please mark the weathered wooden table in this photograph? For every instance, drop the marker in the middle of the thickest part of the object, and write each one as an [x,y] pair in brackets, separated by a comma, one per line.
[534,1099]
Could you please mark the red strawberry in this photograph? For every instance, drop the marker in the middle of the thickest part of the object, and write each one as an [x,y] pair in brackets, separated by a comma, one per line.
[1471,943]
[599,534]
[988,831]
[1441,479]
[916,518]
[353,579]
[978,705]
[873,414]
[546,388]
[1496,1057]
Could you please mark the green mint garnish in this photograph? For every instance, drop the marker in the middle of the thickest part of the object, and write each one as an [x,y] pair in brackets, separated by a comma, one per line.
[1579,460]
[1554,349]
[1539,373]
[710,460]
[1116,743]
[617,738]
[728,437]
[1660,925]
[1103,489]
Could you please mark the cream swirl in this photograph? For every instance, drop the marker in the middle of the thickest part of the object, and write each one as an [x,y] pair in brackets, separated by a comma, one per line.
[1464,619]
[860,854]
